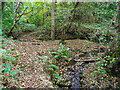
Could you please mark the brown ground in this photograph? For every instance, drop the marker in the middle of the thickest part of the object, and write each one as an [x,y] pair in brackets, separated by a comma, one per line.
[33,74]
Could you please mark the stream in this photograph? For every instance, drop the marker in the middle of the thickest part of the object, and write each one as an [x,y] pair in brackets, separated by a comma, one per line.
[76,76]
[74,71]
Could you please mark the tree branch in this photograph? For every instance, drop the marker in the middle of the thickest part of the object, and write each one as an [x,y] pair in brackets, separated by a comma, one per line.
[119,19]
[115,15]
[17,19]
[77,3]
[69,18]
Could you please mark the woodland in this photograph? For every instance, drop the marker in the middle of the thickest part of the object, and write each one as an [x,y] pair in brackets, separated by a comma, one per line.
[64,45]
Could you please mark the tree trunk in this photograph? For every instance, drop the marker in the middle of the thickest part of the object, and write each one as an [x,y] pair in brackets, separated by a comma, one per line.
[67,27]
[43,13]
[64,29]
[119,19]
[2,4]
[53,21]
[12,27]
[77,3]
[114,18]
[16,19]
[114,67]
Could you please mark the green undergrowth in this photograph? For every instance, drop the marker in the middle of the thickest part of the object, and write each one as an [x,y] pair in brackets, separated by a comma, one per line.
[53,65]
[9,61]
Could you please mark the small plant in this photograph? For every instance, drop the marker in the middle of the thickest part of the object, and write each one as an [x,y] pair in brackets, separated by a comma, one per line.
[52,63]
[7,60]
[61,52]
[52,68]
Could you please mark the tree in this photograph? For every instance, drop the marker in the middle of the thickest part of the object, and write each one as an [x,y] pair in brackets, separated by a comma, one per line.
[43,13]
[114,66]
[119,19]
[114,18]
[16,19]
[69,19]
[53,21]
[18,16]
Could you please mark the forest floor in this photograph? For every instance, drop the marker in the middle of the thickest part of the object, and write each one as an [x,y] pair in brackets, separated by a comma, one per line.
[32,74]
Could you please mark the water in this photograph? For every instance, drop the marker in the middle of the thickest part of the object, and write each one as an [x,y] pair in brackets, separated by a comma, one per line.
[74,77]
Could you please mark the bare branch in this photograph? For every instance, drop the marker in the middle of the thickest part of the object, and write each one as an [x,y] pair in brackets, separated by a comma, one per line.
[18,5]
[16,10]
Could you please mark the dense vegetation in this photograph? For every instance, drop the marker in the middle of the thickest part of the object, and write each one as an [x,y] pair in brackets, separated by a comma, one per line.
[97,22]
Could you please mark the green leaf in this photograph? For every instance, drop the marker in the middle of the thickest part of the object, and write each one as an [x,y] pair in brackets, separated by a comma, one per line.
[57,76]
[52,71]
[56,56]
[92,75]
[2,70]
[108,56]
[53,66]
[101,67]
[101,78]
[101,38]
[64,56]
[111,37]
[54,52]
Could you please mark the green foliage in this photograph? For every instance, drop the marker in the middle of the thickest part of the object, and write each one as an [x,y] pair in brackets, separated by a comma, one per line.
[100,71]
[52,69]
[7,16]
[53,73]
[106,10]
[61,52]
[41,16]
[8,61]
[51,64]
[102,34]
[26,27]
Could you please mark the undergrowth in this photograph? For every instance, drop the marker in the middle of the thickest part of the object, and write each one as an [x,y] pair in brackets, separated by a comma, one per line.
[9,61]
[53,64]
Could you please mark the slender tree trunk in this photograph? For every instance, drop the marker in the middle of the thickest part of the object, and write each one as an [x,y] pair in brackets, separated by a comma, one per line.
[53,21]
[114,18]
[119,19]
[67,27]
[64,29]
[13,4]
[12,27]
[119,26]
[70,19]
[43,13]
[2,4]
